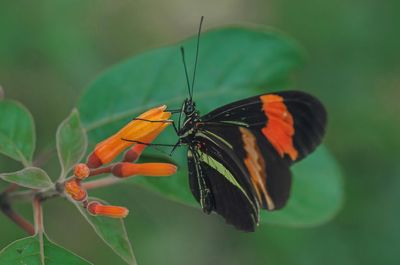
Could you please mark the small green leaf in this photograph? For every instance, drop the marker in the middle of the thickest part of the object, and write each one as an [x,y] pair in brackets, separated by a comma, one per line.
[112,231]
[316,196]
[71,142]
[27,251]
[17,132]
[30,177]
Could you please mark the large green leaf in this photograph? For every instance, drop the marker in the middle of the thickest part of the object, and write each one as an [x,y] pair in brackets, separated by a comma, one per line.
[71,142]
[17,132]
[30,177]
[112,231]
[27,251]
[234,63]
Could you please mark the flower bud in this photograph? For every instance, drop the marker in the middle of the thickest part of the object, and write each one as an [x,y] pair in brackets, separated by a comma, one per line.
[81,171]
[125,169]
[73,188]
[96,208]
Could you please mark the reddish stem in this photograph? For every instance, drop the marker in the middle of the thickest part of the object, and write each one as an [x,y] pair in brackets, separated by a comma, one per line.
[101,170]
[103,182]
[12,187]
[38,215]
[18,219]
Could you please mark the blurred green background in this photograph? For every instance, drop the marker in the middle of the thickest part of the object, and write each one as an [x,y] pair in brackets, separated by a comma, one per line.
[51,50]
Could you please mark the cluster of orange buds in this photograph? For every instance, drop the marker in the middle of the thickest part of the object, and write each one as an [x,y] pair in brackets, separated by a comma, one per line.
[136,135]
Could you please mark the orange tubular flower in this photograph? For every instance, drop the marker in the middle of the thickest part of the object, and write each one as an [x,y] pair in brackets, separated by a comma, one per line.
[137,130]
[134,153]
[125,169]
[96,208]
[73,188]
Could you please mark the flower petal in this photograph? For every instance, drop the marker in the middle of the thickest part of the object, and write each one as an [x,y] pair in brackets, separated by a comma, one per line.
[73,188]
[96,208]
[135,152]
[137,130]
[126,169]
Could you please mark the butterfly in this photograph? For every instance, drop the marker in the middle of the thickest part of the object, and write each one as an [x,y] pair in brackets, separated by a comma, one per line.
[239,155]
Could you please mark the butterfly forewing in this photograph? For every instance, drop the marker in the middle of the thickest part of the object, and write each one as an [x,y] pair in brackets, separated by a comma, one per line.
[292,121]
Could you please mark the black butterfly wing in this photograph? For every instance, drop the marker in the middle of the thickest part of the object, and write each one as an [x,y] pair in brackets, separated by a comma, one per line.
[268,133]
[231,194]
[268,173]
[292,121]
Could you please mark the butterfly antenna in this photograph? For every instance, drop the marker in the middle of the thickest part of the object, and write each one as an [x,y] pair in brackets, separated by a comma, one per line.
[197,52]
[186,73]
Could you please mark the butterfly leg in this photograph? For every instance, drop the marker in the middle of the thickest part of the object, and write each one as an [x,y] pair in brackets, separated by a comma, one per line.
[148,144]
[162,121]
[205,194]
[174,147]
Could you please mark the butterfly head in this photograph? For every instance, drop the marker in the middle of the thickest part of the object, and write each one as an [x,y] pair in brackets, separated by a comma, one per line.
[189,107]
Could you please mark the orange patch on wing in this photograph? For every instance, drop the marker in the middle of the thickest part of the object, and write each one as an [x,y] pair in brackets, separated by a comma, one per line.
[279,129]
[255,163]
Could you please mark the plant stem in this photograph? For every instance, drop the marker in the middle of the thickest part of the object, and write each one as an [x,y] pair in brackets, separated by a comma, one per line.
[10,195]
[28,195]
[16,218]
[38,215]
[103,182]
[101,170]
[12,187]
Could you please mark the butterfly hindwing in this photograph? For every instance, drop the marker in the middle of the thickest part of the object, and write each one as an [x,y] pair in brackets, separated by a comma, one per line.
[268,173]
[232,195]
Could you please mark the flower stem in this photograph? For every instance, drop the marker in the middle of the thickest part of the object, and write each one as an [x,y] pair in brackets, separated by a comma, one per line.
[101,170]
[38,215]
[16,218]
[103,182]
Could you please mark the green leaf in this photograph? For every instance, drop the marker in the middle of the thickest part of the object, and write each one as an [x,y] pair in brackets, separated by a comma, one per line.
[27,251]
[234,63]
[71,142]
[112,231]
[316,196]
[30,177]
[17,131]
